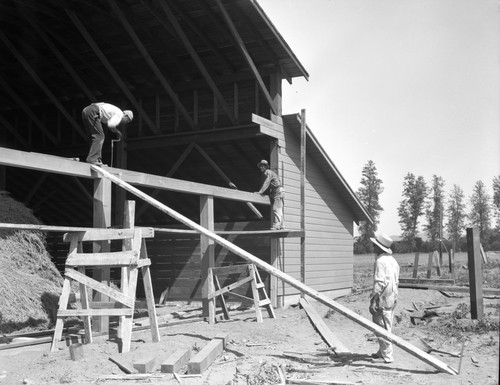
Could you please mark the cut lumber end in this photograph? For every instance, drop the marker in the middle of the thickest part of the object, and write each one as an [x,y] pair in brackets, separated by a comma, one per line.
[145,365]
[175,361]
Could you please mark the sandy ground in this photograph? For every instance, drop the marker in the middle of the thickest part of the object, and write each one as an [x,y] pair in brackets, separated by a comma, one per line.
[255,350]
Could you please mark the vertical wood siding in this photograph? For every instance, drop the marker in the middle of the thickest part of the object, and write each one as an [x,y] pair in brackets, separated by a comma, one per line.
[329,224]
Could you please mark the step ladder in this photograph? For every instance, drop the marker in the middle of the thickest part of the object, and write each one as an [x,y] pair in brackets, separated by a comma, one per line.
[131,259]
[248,274]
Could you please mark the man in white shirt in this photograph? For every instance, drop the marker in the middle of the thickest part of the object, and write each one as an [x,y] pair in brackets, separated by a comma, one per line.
[93,116]
[385,292]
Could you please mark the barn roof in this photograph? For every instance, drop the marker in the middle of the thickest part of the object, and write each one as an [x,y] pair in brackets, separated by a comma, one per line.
[54,51]
[316,152]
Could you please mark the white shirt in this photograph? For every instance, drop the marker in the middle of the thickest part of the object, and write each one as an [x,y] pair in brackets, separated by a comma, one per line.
[110,114]
[386,280]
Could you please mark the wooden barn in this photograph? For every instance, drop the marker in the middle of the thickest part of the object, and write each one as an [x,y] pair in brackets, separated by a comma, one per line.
[204,79]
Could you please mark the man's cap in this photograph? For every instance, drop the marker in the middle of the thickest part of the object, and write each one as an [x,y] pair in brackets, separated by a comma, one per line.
[263,163]
[383,241]
[129,114]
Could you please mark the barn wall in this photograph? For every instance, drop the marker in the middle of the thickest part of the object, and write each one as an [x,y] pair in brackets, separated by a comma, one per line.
[329,225]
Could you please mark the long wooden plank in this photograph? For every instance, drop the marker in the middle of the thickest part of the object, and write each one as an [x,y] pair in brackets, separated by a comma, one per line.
[425,281]
[329,337]
[118,258]
[147,232]
[104,289]
[379,331]
[456,289]
[95,312]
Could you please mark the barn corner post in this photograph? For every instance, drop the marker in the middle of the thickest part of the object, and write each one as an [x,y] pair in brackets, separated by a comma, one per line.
[276,111]
[207,255]
[101,219]
[303,196]
[475,272]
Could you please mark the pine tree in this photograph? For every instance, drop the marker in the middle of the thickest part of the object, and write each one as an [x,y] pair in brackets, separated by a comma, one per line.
[479,215]
[455,226]
[369,194]
[412,206]
[434,211]
[496,200]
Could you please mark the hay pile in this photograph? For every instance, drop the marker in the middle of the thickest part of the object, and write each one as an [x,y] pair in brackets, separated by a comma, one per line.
[30,284]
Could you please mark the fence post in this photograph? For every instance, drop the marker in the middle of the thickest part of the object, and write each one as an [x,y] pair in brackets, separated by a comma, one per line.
[475,273]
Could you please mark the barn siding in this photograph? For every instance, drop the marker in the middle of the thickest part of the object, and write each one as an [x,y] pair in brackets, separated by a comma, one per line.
[329,225]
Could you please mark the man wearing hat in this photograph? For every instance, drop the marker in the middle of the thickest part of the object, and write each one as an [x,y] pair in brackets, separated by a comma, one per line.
[270,180]
[385,292]
[93,116]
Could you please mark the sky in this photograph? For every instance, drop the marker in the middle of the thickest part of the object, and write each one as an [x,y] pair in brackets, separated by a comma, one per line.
[413,85]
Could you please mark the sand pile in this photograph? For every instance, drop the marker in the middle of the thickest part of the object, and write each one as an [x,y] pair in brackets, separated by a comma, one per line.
[30,284]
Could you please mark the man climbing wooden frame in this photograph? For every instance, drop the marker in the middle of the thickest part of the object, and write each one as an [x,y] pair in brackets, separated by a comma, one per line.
[132,258]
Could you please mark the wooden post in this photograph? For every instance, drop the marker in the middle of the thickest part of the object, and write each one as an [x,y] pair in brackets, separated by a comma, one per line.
[102,219]
[429,265]
[128,218]
[207,255]
[415,265]
[275,249]
[437,260]
[451,259]
[475,273]
[121,162]
[303,196]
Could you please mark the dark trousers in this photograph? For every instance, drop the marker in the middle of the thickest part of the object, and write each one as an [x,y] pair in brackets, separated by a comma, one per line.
[92,121]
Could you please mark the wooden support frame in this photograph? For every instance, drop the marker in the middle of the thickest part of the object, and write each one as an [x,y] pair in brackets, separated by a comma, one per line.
[207,255]
[379,331]
[133,245]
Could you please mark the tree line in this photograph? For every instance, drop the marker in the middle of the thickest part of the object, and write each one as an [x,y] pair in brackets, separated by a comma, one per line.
[444,217]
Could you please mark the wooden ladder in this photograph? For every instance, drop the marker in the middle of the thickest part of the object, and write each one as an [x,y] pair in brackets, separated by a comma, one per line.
[252,276]
[132,258]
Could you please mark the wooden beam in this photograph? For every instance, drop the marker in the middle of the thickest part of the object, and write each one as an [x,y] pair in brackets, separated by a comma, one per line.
[42,85]
[102,288]
[104,60]
[330,338]
[199,136]
[303,158]
[59,165]
[176,361]
[207,255]
[145,365]
[194,55]
[241,45]
[159,75]
[204,358]
[379,331]
[456,289]
[102,218]
[475,273]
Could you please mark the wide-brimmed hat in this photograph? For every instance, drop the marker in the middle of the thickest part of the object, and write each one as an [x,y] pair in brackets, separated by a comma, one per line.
[263,163]
[129,114]
[383,241]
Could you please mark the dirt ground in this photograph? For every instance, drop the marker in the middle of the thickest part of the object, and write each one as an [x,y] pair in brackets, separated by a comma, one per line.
[254,350]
